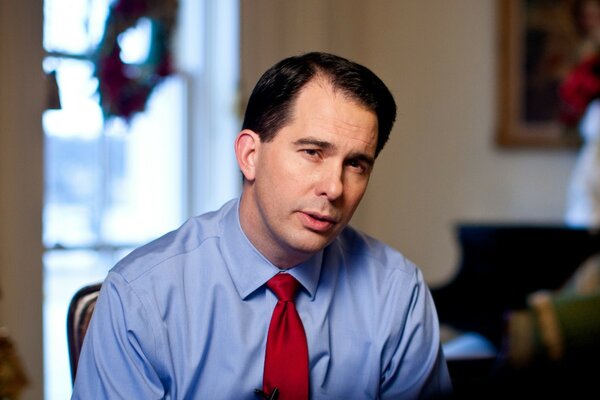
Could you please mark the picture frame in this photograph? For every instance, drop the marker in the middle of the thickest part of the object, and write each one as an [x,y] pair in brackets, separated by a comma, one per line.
[538,45]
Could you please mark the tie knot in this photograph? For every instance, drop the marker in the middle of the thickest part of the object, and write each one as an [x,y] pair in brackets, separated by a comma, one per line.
[284,286]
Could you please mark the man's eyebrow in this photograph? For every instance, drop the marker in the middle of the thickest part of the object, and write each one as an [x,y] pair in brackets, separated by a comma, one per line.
[327,145]
[313,142]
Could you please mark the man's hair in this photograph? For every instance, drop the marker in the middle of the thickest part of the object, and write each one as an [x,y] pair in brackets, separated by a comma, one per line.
[270,104]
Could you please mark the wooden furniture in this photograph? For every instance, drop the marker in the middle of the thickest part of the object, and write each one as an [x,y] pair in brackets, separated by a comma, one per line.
[79,315]
[500,267]
[501,264]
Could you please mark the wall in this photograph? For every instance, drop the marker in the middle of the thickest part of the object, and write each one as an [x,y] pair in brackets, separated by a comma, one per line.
[441,165]
[21,186]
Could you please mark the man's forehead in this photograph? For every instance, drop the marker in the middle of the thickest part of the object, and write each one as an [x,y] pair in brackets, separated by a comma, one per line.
[333,117]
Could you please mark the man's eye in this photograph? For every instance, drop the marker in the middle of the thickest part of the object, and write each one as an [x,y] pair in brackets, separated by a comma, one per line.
[357,165]
[311,152]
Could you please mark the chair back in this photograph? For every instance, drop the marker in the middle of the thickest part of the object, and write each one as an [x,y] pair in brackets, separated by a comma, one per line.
[79,315]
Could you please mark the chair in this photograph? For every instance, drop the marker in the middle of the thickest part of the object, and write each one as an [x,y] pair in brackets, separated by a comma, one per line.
[79,314]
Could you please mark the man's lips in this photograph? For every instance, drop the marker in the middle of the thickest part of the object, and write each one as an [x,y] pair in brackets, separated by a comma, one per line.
[316,221]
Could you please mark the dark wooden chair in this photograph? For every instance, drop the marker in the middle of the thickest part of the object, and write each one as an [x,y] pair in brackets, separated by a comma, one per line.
[79,315]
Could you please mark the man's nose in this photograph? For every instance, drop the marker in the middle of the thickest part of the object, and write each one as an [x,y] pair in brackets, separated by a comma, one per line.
[331,182]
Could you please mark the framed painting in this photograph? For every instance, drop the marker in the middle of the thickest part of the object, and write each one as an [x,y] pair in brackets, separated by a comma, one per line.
[539,44]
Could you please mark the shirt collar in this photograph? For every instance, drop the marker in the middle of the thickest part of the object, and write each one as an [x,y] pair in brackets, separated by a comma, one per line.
[248,268]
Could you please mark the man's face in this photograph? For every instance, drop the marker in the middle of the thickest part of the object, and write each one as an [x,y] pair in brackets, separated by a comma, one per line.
[304,186]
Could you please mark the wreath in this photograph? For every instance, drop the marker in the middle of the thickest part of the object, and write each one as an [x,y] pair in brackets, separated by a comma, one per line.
[124,88]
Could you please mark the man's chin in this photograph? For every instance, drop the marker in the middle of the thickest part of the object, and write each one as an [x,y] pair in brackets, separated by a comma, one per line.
[313,242]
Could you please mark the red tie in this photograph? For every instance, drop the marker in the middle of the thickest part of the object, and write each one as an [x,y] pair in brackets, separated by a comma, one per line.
[286,358]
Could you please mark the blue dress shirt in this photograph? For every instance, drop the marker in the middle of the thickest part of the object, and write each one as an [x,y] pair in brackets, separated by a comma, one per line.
[186,317]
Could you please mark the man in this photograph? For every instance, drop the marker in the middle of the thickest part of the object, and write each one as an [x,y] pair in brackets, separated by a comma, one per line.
[189,315]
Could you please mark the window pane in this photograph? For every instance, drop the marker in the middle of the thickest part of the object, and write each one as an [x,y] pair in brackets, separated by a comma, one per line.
[146,177]
[71,191]
[74,26]
[73,157]
[103,183]
[80,113]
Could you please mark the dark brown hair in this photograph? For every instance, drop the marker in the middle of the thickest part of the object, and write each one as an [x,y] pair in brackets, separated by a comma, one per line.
[270,104]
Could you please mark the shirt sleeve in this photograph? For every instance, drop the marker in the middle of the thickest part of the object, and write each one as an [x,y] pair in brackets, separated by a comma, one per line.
[117,349]
[417,367]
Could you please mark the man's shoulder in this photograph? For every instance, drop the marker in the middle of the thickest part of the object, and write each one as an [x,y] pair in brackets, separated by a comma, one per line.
[180,243]
[379,270]
[363,248]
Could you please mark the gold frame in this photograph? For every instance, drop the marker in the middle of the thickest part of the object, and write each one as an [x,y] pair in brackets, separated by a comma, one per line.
[514,131]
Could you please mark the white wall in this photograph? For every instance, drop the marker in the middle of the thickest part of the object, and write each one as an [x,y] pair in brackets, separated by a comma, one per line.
[441,165]
[21,187]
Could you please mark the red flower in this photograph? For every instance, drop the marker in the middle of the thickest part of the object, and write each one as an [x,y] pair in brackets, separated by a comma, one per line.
[578,89]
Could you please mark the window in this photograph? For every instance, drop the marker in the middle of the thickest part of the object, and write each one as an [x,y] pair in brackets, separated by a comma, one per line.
[110,187]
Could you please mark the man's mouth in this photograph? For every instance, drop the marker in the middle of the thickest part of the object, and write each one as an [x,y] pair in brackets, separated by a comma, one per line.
[318,222]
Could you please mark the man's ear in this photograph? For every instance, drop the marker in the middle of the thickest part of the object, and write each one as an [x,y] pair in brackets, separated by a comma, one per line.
[246,147]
